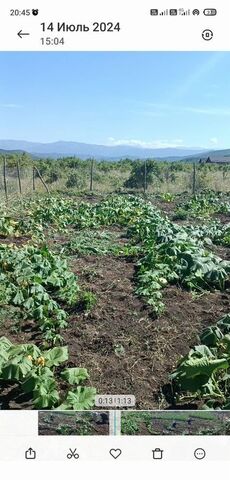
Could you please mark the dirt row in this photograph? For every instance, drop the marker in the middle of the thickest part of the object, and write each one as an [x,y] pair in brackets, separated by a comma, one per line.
[124,346]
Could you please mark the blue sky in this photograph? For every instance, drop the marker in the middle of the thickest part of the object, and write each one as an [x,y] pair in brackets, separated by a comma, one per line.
[155,99]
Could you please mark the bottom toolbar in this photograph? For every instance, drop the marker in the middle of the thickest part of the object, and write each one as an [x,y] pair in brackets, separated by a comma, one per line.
[114,436]
[114,449]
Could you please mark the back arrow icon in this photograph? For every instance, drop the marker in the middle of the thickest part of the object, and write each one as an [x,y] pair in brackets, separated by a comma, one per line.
[21,33]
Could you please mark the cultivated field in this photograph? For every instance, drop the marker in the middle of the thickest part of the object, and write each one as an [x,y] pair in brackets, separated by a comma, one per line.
[120,293]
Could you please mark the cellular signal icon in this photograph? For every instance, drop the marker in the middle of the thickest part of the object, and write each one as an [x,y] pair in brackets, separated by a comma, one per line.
[184,12]
[165,12]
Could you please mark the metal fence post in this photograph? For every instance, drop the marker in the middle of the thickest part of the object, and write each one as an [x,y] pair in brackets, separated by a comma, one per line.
[145,176]
[4,178]
[19,178]
[91,175]
[194,179]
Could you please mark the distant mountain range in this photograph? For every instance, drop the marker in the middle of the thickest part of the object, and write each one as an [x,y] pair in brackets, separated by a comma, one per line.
[211,153]
[11,152]
[85,150]
[104,152]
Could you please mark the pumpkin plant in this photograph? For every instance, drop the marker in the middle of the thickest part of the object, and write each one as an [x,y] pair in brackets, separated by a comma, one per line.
[39,374]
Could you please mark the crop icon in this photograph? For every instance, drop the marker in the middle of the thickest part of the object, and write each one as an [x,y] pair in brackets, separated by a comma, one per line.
[35,12]
[72,454]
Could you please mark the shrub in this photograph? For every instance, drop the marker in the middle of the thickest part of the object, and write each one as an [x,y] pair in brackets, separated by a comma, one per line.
[73,181]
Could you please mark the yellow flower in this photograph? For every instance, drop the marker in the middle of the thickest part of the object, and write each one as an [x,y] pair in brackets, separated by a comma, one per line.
[41,361]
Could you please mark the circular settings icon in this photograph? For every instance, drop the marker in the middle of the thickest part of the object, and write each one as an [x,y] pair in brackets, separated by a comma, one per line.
[35,12]
[207,35]
[196,11]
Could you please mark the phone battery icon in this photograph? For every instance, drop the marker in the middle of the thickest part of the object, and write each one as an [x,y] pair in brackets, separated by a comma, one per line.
[210,12]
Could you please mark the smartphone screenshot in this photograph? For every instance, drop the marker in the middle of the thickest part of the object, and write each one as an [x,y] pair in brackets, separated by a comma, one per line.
[115,238]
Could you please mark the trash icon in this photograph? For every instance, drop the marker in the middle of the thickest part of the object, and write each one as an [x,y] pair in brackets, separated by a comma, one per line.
[157,454]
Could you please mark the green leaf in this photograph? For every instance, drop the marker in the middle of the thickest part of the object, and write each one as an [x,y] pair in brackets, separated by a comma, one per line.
[18,299]
[75,375]
[192,367]
[33,379]
[30,382]
[56,356]
[224,323]
[5,344]
[80,399]
[16,369]
[30,349]
[196,372]
[45,393]
[29,303]
[211,336]
[38,312]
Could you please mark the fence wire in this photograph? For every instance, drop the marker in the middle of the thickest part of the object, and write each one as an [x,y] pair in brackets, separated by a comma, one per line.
[107,177]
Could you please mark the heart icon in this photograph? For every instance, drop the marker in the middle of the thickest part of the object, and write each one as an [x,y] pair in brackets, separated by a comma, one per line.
[115,452]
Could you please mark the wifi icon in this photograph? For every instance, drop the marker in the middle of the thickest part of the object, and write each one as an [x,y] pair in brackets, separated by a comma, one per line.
[196,12]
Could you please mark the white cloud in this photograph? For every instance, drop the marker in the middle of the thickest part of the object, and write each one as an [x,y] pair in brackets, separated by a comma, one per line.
[9,105]
[174,109]
[165,143]
[214,140]
[225,112]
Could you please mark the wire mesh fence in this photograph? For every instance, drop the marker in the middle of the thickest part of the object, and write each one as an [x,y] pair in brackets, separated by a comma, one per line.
[17,180]
[14,182]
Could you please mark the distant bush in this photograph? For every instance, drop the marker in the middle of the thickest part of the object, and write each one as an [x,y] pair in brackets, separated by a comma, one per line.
[52,177]
[75,180]
[137,176]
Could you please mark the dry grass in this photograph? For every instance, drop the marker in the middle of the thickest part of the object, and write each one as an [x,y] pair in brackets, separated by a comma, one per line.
[112,180]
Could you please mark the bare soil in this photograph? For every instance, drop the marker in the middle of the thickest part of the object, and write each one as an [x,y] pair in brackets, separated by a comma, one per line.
[124,346]
[126,349]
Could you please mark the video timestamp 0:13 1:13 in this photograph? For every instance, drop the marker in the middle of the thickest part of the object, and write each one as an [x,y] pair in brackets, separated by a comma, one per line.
[115,401]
